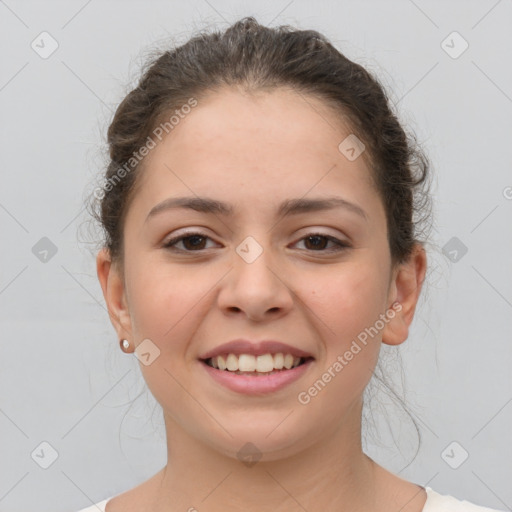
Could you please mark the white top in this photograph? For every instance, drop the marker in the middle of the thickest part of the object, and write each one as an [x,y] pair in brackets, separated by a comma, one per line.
[435,503]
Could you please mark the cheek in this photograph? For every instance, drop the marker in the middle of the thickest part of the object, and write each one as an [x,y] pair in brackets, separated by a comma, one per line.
[164,302]
[349,299]
[164,307]
[348,302]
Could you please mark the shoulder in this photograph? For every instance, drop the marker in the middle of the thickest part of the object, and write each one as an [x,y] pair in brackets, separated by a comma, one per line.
[97,507]
[444,503]
[132,500]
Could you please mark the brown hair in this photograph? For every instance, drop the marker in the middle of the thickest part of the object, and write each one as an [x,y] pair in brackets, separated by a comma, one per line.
[256,57]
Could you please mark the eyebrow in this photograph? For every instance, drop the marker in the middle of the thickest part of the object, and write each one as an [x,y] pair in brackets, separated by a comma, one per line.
[286,208]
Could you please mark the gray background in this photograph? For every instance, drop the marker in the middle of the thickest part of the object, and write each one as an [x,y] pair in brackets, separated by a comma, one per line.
[63,379]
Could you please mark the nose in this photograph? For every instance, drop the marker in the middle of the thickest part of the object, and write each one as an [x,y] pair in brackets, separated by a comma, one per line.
[255,288]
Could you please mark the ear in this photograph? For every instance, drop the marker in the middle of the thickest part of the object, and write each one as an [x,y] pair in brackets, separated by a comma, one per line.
[405,287]
[114,292]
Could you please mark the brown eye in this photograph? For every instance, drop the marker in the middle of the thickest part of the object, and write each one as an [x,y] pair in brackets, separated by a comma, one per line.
[318,242]
[191,242]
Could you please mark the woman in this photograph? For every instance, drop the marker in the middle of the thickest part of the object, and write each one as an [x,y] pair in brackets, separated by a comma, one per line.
[259,249]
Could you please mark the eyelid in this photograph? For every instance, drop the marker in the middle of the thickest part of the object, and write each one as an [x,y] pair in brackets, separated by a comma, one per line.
[175,238]
[322,231]
[340,244]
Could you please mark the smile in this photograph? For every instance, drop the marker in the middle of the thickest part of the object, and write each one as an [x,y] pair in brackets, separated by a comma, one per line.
[249,363]
[249,374]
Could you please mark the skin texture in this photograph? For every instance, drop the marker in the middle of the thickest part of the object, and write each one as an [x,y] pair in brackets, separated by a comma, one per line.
[254,151]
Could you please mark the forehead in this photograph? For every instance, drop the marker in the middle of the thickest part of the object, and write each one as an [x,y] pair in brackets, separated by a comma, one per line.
[260,123]
[259,145]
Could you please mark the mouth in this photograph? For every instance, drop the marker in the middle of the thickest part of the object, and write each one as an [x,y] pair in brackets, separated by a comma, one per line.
[255,366]
[256,376]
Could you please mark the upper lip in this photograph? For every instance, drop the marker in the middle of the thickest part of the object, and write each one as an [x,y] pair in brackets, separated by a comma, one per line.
[255,348]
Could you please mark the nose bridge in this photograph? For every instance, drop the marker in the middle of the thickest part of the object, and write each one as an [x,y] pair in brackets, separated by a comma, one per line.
[254,261]
[254,284]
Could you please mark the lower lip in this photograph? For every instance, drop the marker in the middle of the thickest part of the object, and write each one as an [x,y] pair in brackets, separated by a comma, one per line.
[255,385]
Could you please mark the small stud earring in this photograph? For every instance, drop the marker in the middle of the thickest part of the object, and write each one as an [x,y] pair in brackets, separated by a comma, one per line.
[125,345]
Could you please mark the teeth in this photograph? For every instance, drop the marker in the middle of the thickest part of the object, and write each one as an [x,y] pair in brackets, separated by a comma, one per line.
[232,363]
[248,363]
[221,362]
[264,363]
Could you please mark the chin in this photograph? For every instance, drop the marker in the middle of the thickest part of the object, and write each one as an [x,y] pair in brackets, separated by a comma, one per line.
[263,441]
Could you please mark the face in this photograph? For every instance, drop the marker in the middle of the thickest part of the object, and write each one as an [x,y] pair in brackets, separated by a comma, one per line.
[314,278]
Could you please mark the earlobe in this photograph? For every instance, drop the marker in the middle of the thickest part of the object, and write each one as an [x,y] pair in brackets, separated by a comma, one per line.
[405,290]
[113,289]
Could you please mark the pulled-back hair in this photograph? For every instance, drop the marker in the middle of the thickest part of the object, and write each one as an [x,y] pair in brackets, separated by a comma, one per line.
[257,58]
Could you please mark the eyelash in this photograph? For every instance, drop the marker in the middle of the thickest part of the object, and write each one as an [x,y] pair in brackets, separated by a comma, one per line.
[341,245]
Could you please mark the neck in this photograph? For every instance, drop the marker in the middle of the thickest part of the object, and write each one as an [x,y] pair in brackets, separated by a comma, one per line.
[333,473]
